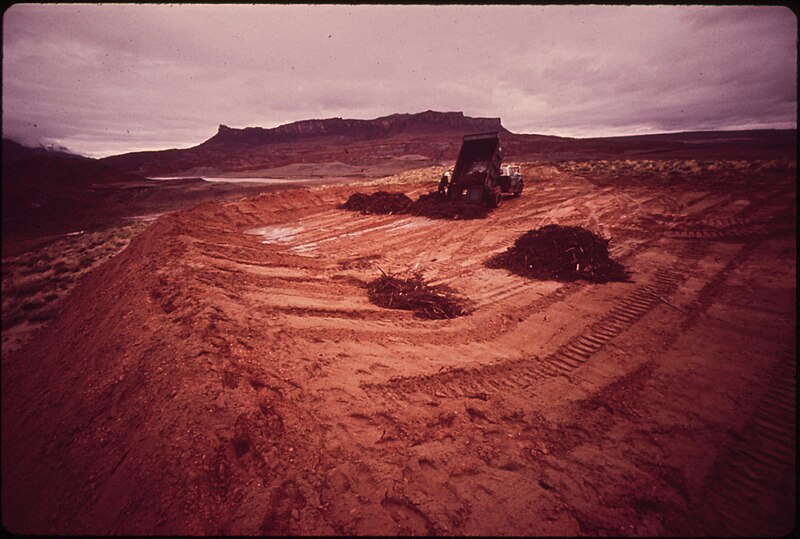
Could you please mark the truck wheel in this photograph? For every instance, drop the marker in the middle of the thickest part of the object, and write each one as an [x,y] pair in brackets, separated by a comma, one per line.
[497,199]
[518,192]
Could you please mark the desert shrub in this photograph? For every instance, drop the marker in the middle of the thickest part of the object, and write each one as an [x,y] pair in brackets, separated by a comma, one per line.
[32,305]
[44,315]
[61,267]
[42,258]
[776,166]
[12,320]
[38,268]
[29,288]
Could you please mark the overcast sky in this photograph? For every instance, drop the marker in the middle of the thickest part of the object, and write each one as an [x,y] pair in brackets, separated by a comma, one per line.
[109,79]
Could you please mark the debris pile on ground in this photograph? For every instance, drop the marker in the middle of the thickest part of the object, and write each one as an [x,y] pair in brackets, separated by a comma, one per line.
[561,253]
[413,294]
[436,206]
[380,202]
[432,205]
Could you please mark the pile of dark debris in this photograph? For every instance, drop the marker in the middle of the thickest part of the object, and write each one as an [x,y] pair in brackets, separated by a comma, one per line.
[436,206]
[414,294]
[561,253]
[553,252]
[382,202]
[432,205]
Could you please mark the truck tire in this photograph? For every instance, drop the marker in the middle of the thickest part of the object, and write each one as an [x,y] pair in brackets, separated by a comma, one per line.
[490,197]
[518,192]
[495,199]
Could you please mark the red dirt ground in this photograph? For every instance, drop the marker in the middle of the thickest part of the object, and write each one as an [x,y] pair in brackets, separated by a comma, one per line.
[226,373]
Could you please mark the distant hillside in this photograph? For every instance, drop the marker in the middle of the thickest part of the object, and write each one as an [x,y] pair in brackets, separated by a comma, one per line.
[750,144]
[428,122]
[428,136]
[398,142]
[46,191]
[14,151]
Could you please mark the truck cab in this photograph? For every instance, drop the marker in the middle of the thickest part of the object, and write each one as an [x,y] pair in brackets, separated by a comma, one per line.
[510,180]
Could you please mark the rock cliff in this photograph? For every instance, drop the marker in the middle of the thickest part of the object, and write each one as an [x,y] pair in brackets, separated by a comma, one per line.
[427,122]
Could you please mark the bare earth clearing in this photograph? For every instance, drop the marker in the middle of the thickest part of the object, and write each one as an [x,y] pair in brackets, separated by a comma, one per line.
[225,373]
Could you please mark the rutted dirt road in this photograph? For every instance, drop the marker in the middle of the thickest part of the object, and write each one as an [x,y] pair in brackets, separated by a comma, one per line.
[226,372]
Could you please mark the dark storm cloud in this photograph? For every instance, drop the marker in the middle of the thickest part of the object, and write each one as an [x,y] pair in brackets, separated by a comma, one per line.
[104,79]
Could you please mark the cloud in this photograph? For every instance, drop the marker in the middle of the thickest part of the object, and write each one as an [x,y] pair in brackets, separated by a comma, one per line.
[111,78]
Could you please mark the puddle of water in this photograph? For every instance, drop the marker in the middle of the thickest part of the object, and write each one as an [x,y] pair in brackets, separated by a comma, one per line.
[271,181]
[242,179]
[285,234]
[146,218]
[275,233]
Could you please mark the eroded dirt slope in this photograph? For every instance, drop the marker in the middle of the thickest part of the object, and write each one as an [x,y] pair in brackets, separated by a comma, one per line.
[227,374]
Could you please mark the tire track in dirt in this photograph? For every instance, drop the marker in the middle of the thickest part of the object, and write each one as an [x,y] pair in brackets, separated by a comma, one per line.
[373,230]
[351,236]
[669,203]
[459,239]
[760,217]
[368,230]
[756,472]
[737,232]
[521,374]
[490,294]
[348,234]
[532,213]
[407,507]
[730,227]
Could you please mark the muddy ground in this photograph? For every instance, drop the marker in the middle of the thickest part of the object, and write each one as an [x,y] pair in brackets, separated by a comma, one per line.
[226,373]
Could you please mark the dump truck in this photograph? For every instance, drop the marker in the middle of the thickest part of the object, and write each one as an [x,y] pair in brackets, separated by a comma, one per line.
[478,176]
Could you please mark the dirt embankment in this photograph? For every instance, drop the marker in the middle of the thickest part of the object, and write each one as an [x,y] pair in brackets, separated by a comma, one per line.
[227,373]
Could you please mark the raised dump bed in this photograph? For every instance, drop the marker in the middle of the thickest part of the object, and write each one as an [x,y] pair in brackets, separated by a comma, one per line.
[478,176]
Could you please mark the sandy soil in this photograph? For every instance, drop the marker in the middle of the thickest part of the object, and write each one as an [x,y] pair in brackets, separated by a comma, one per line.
[225,373]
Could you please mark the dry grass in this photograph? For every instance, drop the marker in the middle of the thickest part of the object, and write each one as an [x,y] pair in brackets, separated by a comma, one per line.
[35,282]
[430,174]
[676,169]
